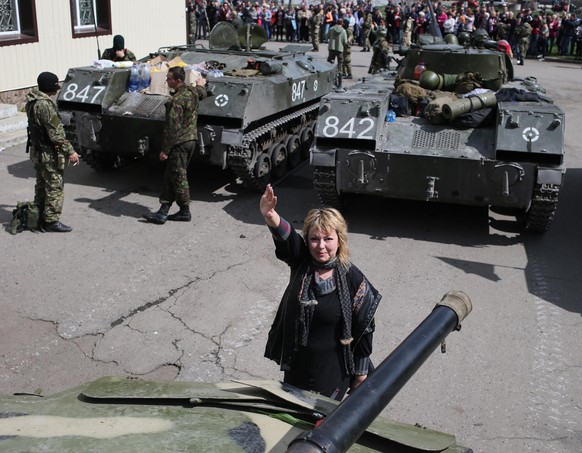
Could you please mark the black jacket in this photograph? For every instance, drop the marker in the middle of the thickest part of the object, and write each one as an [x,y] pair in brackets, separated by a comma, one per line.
[281,343]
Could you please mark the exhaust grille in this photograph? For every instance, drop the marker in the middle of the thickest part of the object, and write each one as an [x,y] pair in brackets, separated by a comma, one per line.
[448,140]
[149,105]
[423,139]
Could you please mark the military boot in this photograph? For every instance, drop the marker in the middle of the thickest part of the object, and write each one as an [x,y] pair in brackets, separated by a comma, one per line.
[56,227]
[160,217]
[183,215]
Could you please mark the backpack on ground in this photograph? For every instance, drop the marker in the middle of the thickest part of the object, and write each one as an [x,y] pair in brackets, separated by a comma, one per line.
[26,216]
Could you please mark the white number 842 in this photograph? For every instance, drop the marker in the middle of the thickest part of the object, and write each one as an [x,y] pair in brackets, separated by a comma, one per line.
[350,128]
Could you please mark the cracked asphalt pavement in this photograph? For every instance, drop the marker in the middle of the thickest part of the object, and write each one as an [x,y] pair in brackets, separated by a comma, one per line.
[121,296]
[194,301]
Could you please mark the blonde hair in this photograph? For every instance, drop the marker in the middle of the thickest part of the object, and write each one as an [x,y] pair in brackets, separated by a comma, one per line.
[328,220]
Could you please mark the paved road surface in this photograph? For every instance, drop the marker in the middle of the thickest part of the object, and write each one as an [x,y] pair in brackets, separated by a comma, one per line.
[195,301]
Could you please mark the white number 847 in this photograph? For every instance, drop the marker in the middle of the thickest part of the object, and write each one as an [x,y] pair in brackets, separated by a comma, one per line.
[86,94]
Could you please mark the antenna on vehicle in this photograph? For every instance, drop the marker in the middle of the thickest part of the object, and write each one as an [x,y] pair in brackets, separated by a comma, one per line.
[95,26]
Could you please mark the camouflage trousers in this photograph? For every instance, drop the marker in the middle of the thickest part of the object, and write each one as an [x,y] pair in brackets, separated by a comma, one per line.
[176,187]
[193,26]
[367,43]
[315,38]
[347,65]
[49,192]
[522,45]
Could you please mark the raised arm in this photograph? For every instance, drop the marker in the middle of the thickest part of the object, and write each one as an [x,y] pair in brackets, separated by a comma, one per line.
[267,206]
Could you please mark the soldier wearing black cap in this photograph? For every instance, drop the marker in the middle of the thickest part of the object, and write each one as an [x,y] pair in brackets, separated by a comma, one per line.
[118,52]
[49,150]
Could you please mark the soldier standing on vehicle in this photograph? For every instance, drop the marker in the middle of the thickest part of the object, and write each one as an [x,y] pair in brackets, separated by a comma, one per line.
[314,26]
[49,150]
[178,145]
[381,55]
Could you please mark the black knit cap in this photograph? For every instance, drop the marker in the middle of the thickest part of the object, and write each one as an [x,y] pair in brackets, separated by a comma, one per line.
[48,82]
[118,42]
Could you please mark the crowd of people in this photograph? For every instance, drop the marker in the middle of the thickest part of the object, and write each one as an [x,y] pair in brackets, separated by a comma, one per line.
[550,29]
[544,32]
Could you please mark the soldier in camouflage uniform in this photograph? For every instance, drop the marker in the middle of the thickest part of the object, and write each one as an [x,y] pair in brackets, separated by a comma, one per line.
[523,31]
[49,150]
[178,145]
[314,26]
[118,52]
[192,22]
[366,30]
[381,55]
[347,69]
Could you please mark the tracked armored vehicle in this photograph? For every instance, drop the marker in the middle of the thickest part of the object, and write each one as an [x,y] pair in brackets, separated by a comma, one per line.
[129,414]
[257,122]
[377,139]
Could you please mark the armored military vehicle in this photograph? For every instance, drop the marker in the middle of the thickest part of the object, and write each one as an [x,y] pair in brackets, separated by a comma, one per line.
[128,414]
[258,121]
[499,145]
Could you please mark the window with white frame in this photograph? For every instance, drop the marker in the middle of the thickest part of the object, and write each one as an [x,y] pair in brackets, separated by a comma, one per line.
[9,17]
[90,17]
[17,22]
[85,15]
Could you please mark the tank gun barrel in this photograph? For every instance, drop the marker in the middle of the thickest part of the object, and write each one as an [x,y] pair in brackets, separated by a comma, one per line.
[340,430]
[453,109]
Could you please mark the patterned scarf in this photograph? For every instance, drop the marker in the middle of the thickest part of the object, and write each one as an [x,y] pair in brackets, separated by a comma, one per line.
[308,302]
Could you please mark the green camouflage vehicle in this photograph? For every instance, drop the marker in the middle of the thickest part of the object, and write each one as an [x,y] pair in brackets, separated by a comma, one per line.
[501,145]
[258,122]
[115,414]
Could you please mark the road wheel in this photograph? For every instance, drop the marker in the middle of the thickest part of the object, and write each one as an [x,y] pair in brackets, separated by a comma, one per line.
[278,154]
[262,171]
[306,137]
[293,146]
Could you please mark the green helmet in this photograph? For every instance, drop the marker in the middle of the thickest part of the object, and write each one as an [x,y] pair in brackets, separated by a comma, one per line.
[430,80]
[451,38]
[381,32]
